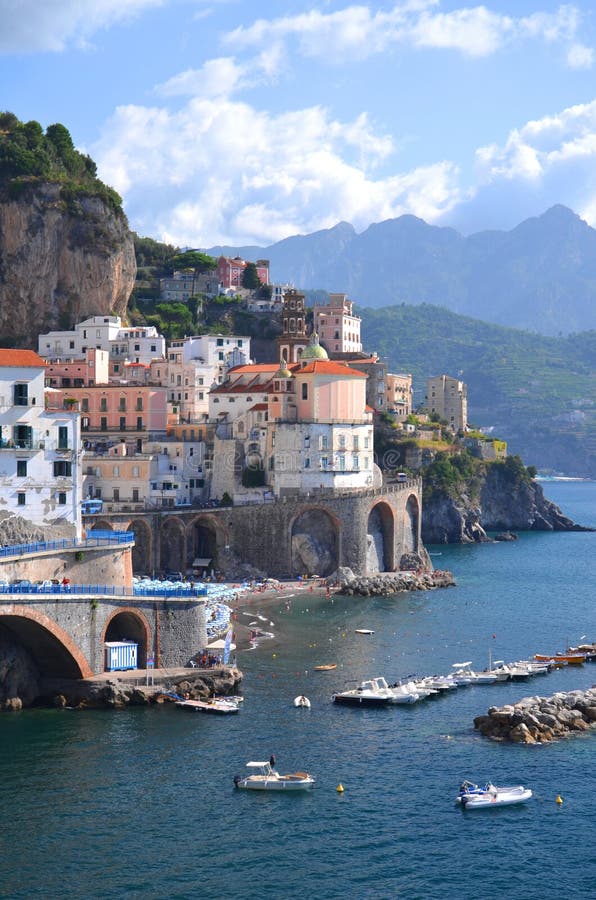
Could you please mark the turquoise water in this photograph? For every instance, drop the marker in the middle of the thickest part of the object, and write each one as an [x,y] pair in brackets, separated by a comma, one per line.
[141,803]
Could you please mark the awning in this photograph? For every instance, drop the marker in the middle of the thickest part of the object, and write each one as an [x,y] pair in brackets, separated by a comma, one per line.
[219,645]
[199,562]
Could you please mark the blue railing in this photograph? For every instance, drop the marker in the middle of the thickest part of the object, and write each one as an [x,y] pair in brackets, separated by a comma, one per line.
[93,539]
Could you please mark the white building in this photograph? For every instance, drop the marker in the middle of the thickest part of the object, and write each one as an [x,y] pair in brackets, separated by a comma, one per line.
[194,365]
[40,459]
[138,345]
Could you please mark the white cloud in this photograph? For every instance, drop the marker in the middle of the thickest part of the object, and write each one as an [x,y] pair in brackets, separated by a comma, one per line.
[580,57]
[356,32]
[28,26]
[223,76]
[220,171]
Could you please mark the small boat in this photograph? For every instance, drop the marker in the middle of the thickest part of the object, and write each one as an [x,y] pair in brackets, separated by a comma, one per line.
[373,692]
[473,797]
[266,778]
[302,701]
[326,668]
[364,631]
[215,706]
[572,659]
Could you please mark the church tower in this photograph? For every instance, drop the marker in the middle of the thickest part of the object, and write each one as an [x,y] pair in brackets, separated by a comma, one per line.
[293,338]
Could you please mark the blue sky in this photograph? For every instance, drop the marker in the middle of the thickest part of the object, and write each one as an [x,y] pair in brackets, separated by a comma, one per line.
[247,121]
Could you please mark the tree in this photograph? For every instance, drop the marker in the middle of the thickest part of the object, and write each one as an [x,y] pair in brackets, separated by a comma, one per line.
[250,277]
[197,262]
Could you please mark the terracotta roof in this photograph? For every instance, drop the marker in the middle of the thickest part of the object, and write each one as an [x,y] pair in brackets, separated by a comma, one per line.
[255,367]
[326,367]
[258,407]
[19,358]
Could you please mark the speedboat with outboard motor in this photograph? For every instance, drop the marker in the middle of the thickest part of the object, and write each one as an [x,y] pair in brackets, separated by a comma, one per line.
[471,796]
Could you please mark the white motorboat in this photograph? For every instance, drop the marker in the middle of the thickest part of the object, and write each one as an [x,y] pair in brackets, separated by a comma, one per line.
[405,693]
[473,797]
[302,701]
[373,692]
[214,706]
[364,631]
[265,778]
[462,675]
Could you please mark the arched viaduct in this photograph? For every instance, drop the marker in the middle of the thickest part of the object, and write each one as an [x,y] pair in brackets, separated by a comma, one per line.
[368,530]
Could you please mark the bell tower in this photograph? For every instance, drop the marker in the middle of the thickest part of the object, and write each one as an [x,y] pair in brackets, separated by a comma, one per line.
[293,338]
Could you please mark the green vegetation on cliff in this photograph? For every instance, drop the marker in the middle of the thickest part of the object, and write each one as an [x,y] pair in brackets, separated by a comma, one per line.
[535,392]
[29,156]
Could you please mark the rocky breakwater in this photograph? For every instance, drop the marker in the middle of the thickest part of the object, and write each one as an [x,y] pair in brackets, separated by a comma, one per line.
[537,720]
[389,582]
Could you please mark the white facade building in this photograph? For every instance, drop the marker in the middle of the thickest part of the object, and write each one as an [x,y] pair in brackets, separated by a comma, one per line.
[40,459]
[137,345]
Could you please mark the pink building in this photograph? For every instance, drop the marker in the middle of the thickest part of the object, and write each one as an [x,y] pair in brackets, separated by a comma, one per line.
[116,409]
[337,326]
[92,369]
[230,271]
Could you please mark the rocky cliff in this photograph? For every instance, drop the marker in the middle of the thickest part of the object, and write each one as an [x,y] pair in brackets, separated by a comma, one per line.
[499,503]
[61,260]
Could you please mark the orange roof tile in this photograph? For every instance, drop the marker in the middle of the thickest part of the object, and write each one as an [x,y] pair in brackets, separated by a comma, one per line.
[17,358]
[326,367]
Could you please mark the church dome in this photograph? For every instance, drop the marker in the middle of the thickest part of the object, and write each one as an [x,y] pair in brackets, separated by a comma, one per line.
[314,349]
[283,371]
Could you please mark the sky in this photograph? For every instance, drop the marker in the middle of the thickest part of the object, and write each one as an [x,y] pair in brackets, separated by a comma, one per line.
[243,122]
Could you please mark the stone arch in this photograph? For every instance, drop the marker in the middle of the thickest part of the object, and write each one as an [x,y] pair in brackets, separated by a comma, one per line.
[142,552]
[128,624]
[380,539]
[101,525]
[315,536]
[52,648]
[206,535]
[411,537]
[172,551]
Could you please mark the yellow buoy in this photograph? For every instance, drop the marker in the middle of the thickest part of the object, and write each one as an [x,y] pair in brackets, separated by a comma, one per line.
[340,789]
[559,799]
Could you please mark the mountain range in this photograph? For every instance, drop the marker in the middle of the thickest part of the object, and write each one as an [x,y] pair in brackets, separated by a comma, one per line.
[540,276]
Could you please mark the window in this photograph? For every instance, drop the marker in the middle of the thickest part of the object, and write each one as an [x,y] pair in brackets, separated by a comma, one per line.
[341,459]
[122,404]
[62,499]
[140,425]
[219,342]
[135,471]
[355,442]
[355,462]
[135,495]
[116,494]
[122,423]
[21,394]
[62,468]
[23,436]
[324,462]
[62,437]
[21,499]
[304,391]
[85,423]
[366,443]
[21,468]
[342,440]
[85,404]
[116,471]
[307,462]
[103,424]
[137,347]
[324,442]
[103,404]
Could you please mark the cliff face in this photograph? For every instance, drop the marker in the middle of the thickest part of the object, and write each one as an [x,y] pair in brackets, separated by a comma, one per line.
[504,505]
[60,262]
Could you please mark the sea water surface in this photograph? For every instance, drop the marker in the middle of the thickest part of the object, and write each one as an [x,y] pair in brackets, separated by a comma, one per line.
[141,804]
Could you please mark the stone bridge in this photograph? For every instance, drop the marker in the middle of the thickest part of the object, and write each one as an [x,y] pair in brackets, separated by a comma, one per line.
[61,629]
[368,530]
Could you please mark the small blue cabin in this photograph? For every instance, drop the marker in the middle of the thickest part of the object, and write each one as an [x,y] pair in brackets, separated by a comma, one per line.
[120,655]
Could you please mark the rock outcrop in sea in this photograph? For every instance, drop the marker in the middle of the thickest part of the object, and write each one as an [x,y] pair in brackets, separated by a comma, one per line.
[537,720]
[501,503]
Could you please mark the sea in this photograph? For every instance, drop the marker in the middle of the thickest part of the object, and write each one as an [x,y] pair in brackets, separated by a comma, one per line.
[140,803]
